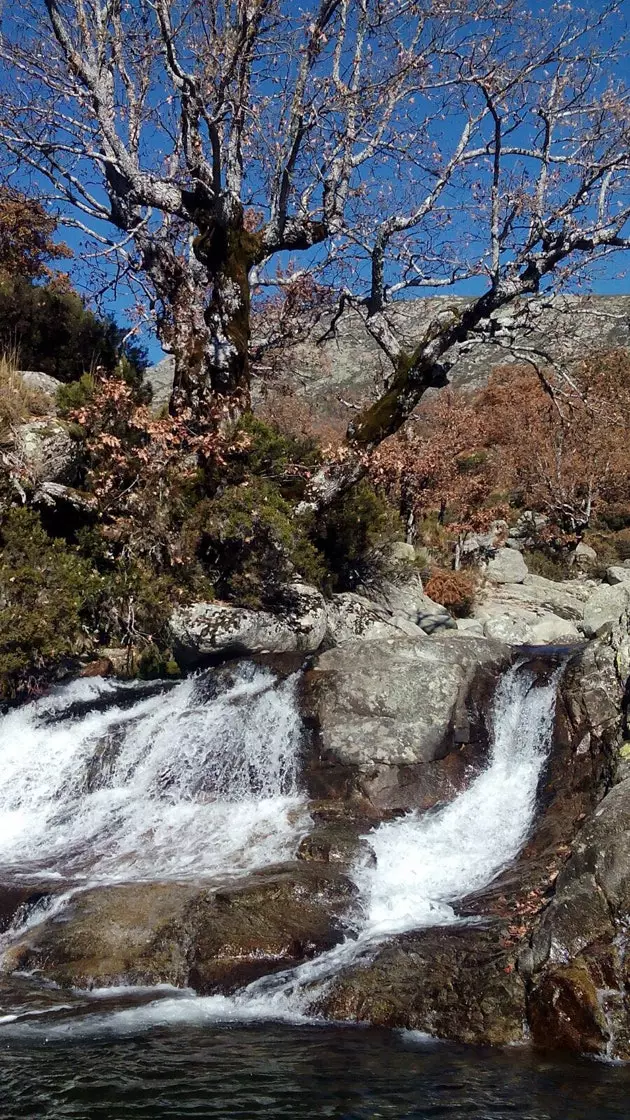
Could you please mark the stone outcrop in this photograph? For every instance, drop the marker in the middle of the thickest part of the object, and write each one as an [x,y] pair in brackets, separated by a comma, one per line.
[605,607]
[351,617]
[535,610]
[351,367]
[46,451]
[401,723]
[204,629]
[181,934]
[42,382]
[506,566]
[487,982]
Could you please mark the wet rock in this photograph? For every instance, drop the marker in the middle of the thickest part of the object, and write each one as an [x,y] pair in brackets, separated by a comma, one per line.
[400,723]
[337,842]
[271,922]
[181,934]
[101,667]
[16,899]
[452,982]
[507,566]
[206,629]
[565,1012]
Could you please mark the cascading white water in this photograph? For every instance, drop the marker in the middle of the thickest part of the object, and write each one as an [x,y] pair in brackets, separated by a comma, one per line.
[148,816]
[173,784]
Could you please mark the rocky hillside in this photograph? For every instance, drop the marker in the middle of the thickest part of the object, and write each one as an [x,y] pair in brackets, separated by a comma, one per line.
[350,367]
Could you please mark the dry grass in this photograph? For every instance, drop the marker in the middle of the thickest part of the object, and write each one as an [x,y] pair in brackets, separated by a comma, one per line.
[18,402]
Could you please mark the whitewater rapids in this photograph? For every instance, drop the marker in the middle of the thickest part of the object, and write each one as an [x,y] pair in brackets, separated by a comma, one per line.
[242,749]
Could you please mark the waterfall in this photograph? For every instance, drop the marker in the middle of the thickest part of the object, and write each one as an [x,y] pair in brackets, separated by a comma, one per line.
[187,786]
[102,783]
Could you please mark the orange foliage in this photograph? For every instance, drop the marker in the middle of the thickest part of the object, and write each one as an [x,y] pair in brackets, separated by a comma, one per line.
[468,456]
[454,590]
[26,237]
[137,465]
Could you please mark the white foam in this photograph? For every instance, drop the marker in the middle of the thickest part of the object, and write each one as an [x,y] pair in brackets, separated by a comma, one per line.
[136,825]
[173,786]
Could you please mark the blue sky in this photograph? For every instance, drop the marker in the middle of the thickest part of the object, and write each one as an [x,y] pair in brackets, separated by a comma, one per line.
[609,278]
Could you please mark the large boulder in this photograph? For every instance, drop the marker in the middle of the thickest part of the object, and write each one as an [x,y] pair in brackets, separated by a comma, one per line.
[402,596]
[617,573]
[455,983]
[41,382]
[205,629]
[402,722]
[187,935]
[507,566]
[351,617]
[580,998]
[46,450]
[605,607]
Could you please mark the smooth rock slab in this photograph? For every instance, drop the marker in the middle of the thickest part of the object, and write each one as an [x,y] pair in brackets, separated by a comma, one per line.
[187,935]
[402,722]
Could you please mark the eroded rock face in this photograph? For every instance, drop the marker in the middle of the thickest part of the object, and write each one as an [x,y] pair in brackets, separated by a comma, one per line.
[401,723]
[455,983]
[206,629]
[181,934]
[580,997]
[537,611]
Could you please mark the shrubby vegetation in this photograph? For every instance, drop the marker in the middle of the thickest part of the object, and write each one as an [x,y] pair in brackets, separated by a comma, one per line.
[470,459]
[168,515]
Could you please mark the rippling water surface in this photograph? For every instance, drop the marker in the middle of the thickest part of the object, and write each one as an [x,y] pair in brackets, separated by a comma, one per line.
[299,1074]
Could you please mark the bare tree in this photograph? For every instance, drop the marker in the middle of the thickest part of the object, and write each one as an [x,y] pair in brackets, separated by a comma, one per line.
[395,145]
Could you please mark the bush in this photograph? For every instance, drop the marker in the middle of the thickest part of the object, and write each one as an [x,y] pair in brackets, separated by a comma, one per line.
[250,542]
[454,590]
[54,332]
[17,401]
[48,594]
[551,564]
[353,536]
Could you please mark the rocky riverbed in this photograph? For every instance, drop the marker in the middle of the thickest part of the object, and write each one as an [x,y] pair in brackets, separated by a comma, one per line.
[382,718]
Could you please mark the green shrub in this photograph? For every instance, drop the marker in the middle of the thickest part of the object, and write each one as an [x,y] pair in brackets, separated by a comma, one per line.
[155,663]
[250,541]
[550,564]
[54,332]
[353,536]
[76,394]
[48,595]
